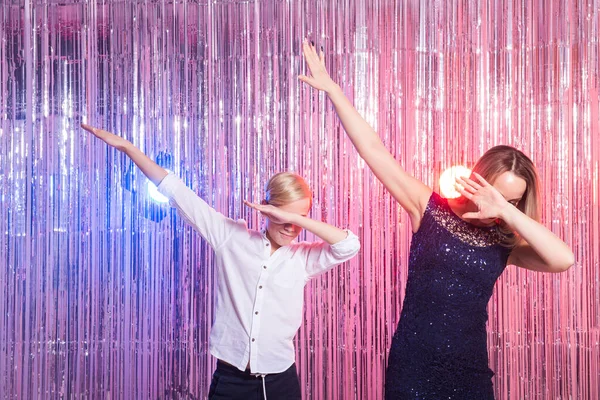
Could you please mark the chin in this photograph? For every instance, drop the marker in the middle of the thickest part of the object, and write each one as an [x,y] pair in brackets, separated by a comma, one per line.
[285,240]
[487,222]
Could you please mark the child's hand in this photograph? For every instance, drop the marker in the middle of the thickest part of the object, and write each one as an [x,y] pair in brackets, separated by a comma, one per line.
[110,139]
[319,78]
[275,214]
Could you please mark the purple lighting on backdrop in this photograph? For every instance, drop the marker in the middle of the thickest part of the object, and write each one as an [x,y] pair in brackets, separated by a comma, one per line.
[108,294]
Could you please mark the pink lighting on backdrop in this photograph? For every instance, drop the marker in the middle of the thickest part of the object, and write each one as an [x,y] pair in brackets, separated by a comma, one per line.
[108,294]
[448,180]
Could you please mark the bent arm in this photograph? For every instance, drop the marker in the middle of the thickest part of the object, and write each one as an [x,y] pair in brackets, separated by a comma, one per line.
[542,250]
[322,256]
[323,230]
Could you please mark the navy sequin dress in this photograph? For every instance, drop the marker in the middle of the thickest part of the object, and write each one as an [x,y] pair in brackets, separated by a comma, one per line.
[439,350]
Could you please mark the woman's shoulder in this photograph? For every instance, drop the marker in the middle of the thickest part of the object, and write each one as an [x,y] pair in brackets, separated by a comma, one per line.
[435,202]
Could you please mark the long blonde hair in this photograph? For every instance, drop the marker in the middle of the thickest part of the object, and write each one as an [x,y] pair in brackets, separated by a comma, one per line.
[500,159]
[286,187]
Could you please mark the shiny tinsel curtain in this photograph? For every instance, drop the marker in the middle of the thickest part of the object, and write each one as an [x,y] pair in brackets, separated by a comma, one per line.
[108,294]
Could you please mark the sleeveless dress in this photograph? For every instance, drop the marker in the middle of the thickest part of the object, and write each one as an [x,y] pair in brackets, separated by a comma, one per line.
[439,350]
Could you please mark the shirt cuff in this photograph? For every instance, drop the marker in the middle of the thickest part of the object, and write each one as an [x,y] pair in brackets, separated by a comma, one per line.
[346,247]
[168,186]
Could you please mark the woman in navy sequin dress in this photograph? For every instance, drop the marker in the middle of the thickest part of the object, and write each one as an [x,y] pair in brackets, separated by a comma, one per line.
[459,249]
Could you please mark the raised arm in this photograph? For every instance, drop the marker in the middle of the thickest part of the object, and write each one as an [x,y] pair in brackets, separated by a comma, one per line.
[408,191]
[153,171]
[212,225]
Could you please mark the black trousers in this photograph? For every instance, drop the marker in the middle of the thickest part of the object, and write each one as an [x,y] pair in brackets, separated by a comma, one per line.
[230,383]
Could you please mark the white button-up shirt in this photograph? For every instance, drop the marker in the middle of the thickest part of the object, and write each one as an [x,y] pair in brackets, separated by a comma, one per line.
[259,296]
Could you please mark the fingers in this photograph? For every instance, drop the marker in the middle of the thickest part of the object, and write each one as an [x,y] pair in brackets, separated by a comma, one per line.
[263,209]
[99,133]
[463,192]
[481,180]
[96,131]
[88,128]
[252,205]
[471,215]
[470,184]
[307,49]
[460,183]
[310,53]
[309,80]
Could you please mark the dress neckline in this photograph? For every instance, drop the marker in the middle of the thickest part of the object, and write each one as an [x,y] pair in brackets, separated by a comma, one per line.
[466,232]
[447,204]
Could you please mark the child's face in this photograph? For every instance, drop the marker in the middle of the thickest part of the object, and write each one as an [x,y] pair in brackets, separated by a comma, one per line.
[282,234]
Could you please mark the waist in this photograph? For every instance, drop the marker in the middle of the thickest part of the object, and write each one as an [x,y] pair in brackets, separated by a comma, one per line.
[225,367]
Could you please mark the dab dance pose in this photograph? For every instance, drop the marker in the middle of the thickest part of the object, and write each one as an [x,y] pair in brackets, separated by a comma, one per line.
[260,277]
[459,249]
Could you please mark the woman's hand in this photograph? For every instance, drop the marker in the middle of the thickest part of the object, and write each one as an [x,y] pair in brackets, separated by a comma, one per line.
[319,78]
[109,138]
[488,200]
[275,214]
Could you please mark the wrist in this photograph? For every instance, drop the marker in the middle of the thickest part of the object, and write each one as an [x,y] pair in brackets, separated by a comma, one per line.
[507,213]
[332,89]
[297,219]
[126,147]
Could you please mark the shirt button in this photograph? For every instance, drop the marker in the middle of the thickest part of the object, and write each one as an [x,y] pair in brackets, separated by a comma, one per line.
[267,244]
[264,266]
[260,287]
[256,313]
[253,339]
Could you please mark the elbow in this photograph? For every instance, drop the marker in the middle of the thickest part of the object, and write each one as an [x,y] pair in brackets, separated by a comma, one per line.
[565,264]
[371,148]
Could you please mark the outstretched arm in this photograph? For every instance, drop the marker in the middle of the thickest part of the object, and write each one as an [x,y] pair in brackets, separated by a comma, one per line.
[153,171]
[411,193]
[212,225]
[541,250]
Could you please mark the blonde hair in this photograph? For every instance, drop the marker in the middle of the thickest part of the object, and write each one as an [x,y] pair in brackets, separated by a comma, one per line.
[500,159]
[286,187]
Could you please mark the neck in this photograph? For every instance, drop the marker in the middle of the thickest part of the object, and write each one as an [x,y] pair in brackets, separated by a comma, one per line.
[462,205]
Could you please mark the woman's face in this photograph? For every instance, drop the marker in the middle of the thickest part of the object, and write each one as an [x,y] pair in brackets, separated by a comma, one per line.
[511,187]
[282,234]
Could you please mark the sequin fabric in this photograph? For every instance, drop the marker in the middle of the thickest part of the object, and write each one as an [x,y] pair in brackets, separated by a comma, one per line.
[439,350]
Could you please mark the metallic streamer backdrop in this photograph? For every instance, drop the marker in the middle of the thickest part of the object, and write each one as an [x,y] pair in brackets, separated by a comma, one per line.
[109,295]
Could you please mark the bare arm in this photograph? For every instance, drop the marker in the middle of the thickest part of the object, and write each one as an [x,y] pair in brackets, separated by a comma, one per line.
[153,171]
[408,191]
[541,251]
[326,232]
